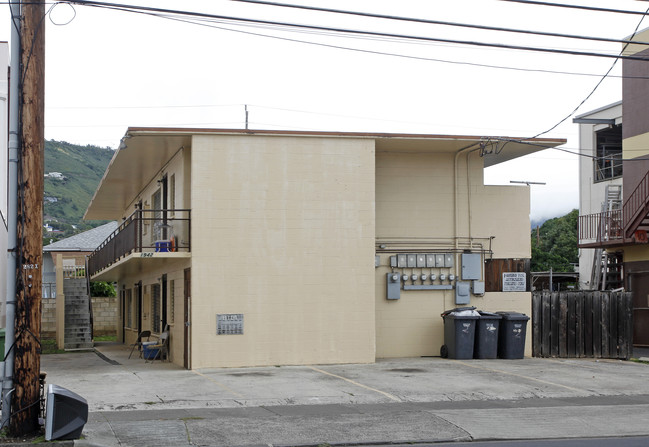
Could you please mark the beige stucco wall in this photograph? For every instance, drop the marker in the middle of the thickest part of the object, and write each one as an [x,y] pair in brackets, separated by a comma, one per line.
[415,201]
[636,146]
[283,233]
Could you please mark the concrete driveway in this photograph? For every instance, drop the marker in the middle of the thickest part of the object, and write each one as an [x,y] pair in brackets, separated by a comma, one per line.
[398,399]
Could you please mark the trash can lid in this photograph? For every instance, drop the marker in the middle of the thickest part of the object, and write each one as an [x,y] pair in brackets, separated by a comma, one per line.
[489,315]
[457,309]
[517,316]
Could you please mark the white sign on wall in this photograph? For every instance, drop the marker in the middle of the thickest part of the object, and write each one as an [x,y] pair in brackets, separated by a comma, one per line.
[514,282]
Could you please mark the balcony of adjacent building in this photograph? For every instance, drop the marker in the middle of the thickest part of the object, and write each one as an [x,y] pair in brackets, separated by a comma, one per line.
[146,239]
[618,225]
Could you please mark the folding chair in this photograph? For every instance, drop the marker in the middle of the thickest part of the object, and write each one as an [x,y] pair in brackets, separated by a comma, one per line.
[162,346]
[138,342]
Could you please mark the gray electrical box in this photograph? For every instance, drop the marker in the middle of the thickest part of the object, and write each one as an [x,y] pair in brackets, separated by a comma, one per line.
[412,261]
[402,261]
[439,260]
[393,281]
[448,260]
[377,260]
[462,292]
[430,261]
[471,266]
[477,288]
[393,261]
[421,261]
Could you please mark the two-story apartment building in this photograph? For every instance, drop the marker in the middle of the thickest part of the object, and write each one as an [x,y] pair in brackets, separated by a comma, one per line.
[623,232]
[600,191]
[284,247]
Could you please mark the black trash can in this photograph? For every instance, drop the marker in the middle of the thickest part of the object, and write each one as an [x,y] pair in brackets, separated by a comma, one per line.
[511,338]
[486,336]
[459,333]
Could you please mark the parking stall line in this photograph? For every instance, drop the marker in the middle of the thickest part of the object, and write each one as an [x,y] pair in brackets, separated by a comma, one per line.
[545,382]
[388,395]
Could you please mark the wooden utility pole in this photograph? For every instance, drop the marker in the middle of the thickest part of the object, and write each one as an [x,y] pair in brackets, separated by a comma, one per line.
[27,364]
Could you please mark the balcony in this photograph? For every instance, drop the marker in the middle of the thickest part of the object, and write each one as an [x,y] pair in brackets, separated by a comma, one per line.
[145,234]
[618,227]
[601,230]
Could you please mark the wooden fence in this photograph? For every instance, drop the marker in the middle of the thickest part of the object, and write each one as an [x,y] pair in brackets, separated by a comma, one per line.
[582,324]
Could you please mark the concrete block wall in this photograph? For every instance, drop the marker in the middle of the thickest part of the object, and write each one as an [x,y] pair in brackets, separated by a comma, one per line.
[48,317]
[104,311]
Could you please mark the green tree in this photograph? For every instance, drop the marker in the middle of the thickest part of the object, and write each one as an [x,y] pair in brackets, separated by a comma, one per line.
[102,288]
[556,245]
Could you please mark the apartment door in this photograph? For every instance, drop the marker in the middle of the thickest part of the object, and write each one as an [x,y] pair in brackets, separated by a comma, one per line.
[639,282]
[139,306]
[163,311]
[186,318]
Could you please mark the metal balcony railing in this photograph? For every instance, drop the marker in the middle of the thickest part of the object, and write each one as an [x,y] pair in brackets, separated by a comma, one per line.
[152,231]
[601,227]
[636,206]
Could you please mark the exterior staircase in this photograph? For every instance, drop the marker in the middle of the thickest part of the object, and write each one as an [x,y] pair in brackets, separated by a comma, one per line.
[607,267]
[78,332]
[636,208]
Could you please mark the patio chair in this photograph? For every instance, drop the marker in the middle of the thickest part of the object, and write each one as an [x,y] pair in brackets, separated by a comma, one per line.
[138,343]
[162,346]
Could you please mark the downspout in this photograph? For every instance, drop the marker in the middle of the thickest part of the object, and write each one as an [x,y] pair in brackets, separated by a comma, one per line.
[455,194]
[12,211]
[468,195]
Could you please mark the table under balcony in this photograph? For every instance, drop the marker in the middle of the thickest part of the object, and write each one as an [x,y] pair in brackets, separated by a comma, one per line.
[144,238]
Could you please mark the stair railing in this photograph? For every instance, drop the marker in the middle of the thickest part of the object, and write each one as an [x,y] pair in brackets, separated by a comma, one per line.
[636,202]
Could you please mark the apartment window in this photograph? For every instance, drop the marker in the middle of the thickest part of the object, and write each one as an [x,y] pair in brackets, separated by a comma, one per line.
[608,163]
[155,308]
[129,308]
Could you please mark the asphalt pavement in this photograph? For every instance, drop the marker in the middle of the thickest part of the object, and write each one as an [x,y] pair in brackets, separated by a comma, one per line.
[395,401]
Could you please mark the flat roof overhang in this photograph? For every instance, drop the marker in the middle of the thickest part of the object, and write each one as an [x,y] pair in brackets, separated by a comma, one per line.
[145,151]
[136,263]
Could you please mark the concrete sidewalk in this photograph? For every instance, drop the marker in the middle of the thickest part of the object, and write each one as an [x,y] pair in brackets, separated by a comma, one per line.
[134,403]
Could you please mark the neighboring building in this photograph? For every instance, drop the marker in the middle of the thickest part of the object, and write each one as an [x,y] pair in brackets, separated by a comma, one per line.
[68,313]
[600,190]
[73,251]
[4,100]
[282,247]
[623,232]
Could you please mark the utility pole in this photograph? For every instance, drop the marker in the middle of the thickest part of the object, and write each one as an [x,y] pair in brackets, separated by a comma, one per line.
[26,398]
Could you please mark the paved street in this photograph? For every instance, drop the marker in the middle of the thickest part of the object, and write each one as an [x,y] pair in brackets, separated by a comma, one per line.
[134,403]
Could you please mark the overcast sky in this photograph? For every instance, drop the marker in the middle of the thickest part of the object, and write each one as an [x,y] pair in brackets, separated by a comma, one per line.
[107,70]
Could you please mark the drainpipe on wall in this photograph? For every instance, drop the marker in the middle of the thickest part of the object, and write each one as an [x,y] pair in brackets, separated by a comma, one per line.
[12,211]
[455,194]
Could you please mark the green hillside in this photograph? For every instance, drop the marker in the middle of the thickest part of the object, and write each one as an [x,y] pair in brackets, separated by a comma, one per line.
[67,197]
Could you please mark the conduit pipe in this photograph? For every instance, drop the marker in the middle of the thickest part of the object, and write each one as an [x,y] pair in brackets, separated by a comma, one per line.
[455,188]
[12,210]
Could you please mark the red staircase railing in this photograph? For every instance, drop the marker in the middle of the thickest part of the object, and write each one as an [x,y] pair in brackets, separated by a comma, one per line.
[636,207]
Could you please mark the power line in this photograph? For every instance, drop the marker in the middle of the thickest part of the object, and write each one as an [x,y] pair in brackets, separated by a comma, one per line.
[587,8]
[383,53]
[352,32]
[635,31]
[439,22]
